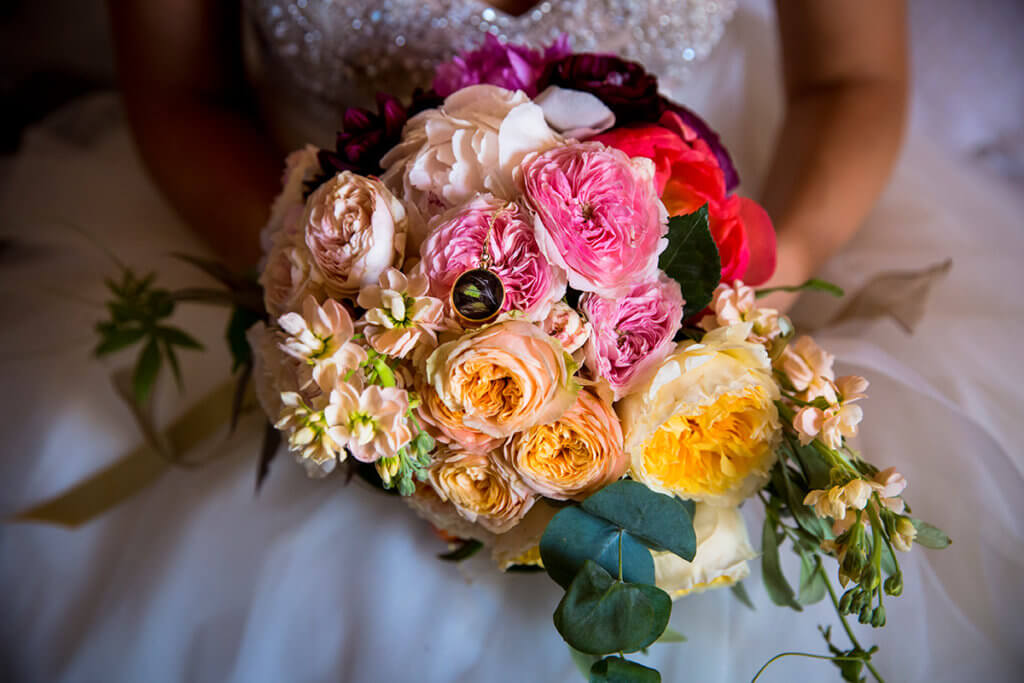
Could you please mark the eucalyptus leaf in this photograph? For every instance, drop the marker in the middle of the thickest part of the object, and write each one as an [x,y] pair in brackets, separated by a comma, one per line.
[147,367]
[600,614]
[779,590]
[691,259]
[930,536]
[812,582]
[619,670]
[574,536]
[661,522]
[814,285]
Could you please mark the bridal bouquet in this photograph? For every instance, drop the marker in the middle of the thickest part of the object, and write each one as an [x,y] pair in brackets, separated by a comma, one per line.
[525,303]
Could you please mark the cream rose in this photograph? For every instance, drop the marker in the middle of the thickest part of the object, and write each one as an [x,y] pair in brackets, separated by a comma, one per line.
[481,488]
[723,548]
[706,426]
[299,167]
[573,456]
[472,144]
[355,229]
[503,378]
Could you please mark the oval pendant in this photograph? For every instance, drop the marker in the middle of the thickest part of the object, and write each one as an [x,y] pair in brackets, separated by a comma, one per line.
[478,295]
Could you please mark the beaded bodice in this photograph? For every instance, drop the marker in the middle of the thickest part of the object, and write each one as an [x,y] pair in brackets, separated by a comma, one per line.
[311,58]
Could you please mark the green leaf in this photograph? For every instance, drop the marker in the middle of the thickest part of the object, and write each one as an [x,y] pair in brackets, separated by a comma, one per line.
[599,614]
[466,550]
[691,259]
[671,636]
[177,337]
[574,536]
[815,468]
[147,367]
[814,284]
[241,320]
[117,338]
[779,590]
[739,591]
[619,670]
[812,582]
[889,565]
[660,522]
[268,450]
[930,536]
[172,360]
[794,496]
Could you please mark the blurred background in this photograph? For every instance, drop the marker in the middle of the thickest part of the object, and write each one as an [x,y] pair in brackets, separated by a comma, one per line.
[968,67]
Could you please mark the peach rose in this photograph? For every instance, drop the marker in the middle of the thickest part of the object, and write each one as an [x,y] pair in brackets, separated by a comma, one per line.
[573,456]
[447,426]
[481,488]
[504,378]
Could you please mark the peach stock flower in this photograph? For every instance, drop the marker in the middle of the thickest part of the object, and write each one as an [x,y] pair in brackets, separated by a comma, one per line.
[573,456]
[503,378]
[737,303]
[399,314]
[840,419]
[321,337]
[481,488]
[806,364]
[370,423]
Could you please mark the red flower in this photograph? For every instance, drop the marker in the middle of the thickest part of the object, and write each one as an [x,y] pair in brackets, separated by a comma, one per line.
[688,175]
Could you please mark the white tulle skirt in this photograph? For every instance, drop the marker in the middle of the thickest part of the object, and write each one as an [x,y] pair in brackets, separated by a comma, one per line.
[198,579]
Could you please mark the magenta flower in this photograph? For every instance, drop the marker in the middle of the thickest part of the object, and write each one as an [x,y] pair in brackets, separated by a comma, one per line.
[513,67]
[498,234]
[632,334]
[598,215]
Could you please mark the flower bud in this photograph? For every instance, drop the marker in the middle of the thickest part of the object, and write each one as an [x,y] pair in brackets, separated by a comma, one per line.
[869,577]
[878,617]
[865,615]
[388,468]
[894,585]
[846,602]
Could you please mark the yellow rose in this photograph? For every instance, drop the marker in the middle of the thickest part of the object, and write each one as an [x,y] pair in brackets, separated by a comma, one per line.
[706,426]
[573,456]
[480,488]
[503,378]
[723,549]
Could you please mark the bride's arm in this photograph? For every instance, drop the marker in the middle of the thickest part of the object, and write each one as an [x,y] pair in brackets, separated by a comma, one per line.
[182,79]
[845,67]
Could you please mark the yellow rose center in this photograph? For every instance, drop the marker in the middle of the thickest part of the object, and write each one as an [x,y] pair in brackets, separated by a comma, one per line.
[708,453]
[492,391]
[555,453]
[475,488]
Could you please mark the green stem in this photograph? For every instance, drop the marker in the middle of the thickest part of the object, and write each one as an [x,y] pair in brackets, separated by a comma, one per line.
[846,626]
[831,658]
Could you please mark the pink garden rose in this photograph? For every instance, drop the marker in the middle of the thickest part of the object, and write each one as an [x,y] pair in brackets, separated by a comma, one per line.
[632,334]
[355,229]
[513,67]
[598,215]
[501,232]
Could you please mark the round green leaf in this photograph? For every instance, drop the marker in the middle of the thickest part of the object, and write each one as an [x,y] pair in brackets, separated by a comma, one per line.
[574,536]
[661,522]
[619,670]
[599,614]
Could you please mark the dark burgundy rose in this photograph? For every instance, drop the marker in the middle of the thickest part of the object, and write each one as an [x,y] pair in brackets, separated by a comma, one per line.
[625,87]
[705,133]
[365,138]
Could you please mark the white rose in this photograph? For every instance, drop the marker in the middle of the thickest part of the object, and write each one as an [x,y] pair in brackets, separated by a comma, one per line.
[469,145]
[723,548]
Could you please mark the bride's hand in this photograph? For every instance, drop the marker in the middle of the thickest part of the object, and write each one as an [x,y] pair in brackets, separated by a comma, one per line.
[845,68]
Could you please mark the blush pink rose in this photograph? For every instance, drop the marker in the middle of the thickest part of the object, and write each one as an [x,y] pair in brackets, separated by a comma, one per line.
[632,334]
[598,215]
[501,232]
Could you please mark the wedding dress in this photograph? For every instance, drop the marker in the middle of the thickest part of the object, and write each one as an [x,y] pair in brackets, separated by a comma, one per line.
[198,579]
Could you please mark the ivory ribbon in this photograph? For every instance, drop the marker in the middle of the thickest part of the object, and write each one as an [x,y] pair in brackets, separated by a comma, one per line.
[141,467]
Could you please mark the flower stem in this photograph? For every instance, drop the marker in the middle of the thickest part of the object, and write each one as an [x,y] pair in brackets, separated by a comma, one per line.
[831,658]
[846,626]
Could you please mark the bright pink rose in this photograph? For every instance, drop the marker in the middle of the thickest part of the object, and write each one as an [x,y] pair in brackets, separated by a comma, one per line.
[632,334]
[513,67]
[688,175]
[503,232]
[598,215]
